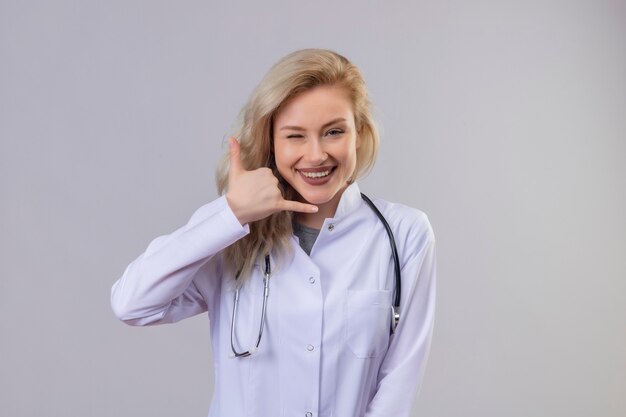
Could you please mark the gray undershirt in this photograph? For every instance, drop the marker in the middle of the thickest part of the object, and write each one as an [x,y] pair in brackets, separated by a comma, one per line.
[307,236]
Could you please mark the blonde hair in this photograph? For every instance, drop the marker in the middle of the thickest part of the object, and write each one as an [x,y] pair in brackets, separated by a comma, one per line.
[299,71]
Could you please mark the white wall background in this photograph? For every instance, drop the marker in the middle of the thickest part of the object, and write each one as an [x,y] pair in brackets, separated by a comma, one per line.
[505,121]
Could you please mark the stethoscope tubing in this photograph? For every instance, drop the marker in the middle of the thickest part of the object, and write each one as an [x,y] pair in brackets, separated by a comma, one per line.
[395,308]
[394,251]
[266,293]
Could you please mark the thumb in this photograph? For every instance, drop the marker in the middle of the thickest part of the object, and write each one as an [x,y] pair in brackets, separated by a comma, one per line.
[235,158]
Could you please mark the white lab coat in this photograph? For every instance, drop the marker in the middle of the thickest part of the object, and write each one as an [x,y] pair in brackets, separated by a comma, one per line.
[326,349]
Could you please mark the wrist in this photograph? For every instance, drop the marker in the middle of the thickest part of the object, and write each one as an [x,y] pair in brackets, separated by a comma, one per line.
[237,211]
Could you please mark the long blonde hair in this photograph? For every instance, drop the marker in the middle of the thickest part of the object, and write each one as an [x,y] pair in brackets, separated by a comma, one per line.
[297,72]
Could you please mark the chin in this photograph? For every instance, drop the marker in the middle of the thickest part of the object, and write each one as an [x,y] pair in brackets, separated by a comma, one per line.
[317,200]
[318,197]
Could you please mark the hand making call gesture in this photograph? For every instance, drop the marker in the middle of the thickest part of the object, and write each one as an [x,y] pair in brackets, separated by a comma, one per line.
[254,195]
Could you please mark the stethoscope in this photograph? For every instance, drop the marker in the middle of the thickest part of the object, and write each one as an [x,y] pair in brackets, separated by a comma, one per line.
[395,308]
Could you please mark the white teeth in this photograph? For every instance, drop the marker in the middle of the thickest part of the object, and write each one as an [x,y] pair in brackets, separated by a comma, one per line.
[315,174]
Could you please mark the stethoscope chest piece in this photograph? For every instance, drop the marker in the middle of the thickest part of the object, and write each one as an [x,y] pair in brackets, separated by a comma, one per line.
[395,318]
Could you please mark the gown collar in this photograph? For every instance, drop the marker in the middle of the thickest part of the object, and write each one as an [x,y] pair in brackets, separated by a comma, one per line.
[350,200]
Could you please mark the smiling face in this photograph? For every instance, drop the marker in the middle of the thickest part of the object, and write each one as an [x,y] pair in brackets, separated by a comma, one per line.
[315,142]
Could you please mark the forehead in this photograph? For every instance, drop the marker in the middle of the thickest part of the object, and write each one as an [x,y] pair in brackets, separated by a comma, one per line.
[315,107]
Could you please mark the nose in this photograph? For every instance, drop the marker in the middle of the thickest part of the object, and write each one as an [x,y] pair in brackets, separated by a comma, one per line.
[314,152]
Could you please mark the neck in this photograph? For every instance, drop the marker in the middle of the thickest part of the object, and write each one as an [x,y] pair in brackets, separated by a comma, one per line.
[325,210]
[313,220]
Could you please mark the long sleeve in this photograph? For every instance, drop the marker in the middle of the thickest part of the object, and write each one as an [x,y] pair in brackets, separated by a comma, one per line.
[160,285]
[403,367]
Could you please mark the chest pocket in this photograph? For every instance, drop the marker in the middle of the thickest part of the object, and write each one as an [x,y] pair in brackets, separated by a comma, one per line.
[368,315]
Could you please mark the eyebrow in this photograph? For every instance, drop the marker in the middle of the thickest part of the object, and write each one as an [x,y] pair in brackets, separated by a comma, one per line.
[339,119]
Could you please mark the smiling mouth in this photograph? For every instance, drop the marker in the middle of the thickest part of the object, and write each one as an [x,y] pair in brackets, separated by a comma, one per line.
[317,173]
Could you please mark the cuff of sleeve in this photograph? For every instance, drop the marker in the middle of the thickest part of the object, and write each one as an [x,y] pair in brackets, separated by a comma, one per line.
[229,216]
[213,227]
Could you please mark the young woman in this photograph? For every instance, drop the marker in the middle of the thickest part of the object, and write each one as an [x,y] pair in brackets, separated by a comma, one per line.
[316,309]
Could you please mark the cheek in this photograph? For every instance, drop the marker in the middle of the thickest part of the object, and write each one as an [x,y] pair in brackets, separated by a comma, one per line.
[351,162]
[348,154]
[283,158]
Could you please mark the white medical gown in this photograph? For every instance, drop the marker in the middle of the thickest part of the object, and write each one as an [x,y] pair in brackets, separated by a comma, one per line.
[326,350]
